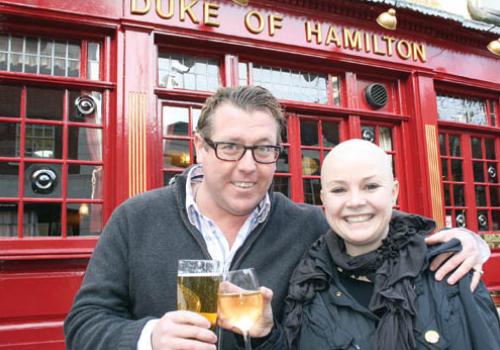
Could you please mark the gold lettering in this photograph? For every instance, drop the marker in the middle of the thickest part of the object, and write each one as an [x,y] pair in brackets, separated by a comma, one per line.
[399,49]
[332,37]
[138,11]
[274,23]
[316,31]
[159,9]
[352,41]
[260,20]
[419,52]
[183,9]
[389,40]
[375,46]
[368,45]
[210,13]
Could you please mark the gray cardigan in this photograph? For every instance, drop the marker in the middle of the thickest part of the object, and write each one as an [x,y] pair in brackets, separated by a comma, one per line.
[131,277]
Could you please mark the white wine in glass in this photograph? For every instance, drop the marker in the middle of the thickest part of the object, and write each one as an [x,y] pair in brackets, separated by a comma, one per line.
[240,301]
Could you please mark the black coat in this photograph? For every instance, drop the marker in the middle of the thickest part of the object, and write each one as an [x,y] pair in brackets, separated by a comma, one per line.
[448,317]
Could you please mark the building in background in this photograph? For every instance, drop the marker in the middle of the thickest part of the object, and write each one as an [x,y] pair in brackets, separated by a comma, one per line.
[99,99]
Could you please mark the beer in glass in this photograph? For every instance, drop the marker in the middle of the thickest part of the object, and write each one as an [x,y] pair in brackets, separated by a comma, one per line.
[197,287]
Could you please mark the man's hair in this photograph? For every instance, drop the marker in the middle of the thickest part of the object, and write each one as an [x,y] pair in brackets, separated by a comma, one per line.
[247,98]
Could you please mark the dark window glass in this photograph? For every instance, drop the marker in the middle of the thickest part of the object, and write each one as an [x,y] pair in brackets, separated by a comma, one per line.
[9,179]
[168,176]
[481,196]
[85,181]
[478,172]
[44,103]
[282,184]
[42,219]
[312,188]
[442,144]
[309,133]
[447,198]
[330,134]
[454,142]
[495,196]
[8,219]
[490,148]
[283,165]
[459,195]
[43,141]
[10,101]
[444,170]
[456,168]
[84,143]
[477,152]
[9,139]
[84,219]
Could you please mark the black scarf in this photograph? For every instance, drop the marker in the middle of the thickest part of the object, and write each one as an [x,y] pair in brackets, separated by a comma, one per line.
[392,268]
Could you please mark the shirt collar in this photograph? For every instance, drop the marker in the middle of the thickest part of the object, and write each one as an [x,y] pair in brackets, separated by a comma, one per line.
[195,175]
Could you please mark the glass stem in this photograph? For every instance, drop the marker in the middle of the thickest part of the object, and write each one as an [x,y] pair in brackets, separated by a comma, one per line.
[248,343]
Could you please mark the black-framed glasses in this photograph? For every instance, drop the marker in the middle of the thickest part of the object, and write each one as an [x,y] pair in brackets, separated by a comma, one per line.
[232,152]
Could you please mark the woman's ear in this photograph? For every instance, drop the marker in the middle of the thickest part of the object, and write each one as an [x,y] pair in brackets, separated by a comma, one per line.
[395,191]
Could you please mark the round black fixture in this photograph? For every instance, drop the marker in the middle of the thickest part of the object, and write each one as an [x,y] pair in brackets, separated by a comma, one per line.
[85,105]
[376,95]
[43,180]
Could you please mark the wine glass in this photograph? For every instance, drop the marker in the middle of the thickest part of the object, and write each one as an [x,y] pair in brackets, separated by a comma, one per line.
[240,301]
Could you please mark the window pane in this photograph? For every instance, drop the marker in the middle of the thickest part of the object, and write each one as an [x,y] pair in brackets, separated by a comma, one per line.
[490,148]
[16,44]
[312,188]
[8,137]
[195,116]
[442,144]
[494,196]
[477,152]
[175,121]
[60,49]
[30,64]
[283,165]
[188,72]
[454,146]
[84,219]
[85,107]
[8,219]
[368,133]
[16,63]
[459,195]
[43,141]
[331,134]
[482,220]
[59,67]
[492,173]
[447,197]
[456,169]
[44,103]
[444,170]
[42,219]
[461,110]
[176,154]
[84,143]
[74,51]
[310,162]
[495,214]
[481,196]
[3,60]
[42,180]
[282,184]
[85,181]
[385,139]
[4,42]
[242,74]
[478,172]
[9,179]
[336,90]
[309,133]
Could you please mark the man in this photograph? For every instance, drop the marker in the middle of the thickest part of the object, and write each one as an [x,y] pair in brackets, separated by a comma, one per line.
[223,209]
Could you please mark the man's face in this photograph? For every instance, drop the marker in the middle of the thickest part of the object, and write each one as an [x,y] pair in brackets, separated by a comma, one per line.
[358,194]
[235,188]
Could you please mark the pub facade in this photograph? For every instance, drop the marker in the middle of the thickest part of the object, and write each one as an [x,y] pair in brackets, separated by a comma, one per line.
[99,100]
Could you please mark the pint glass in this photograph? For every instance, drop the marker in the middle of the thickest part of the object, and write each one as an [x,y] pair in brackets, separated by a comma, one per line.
[197,287]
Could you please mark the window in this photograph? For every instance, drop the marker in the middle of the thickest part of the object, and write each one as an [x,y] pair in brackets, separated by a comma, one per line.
[37,55]
[465,110]
[51,166]
[179,123]
[291,84]
[469,167]
[188,72]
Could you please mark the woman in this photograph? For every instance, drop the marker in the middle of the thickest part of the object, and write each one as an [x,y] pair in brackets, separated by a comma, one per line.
[365,284]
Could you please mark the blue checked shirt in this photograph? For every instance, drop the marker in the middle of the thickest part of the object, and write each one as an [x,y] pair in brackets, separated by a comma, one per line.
[217,244]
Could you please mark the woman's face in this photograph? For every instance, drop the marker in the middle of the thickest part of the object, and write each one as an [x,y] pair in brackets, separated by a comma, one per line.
[358,192]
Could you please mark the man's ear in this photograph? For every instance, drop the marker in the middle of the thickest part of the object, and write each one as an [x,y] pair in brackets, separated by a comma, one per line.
[199,145]
[395,191]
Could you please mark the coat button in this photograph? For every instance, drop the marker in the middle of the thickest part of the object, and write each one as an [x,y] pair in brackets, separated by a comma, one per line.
[431,337]
[338,293]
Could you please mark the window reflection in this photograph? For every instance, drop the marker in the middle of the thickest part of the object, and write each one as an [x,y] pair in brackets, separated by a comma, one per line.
[9,179]
[44,103]
[462,110]
[84,143]
[85,181]
[282,184]
[8,219]
[42,219]
[309,133]
[176,153]
[84,219]
[312,188]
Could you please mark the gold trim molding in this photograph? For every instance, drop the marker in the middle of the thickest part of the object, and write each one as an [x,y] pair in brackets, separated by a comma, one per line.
[137,155]
[434,174]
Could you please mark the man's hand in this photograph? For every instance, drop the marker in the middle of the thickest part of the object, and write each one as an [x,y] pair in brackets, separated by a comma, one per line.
[469,258]
[263,325]
[184,330]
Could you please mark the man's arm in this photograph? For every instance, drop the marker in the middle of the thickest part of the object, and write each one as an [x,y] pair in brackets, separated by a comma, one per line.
[475,252]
